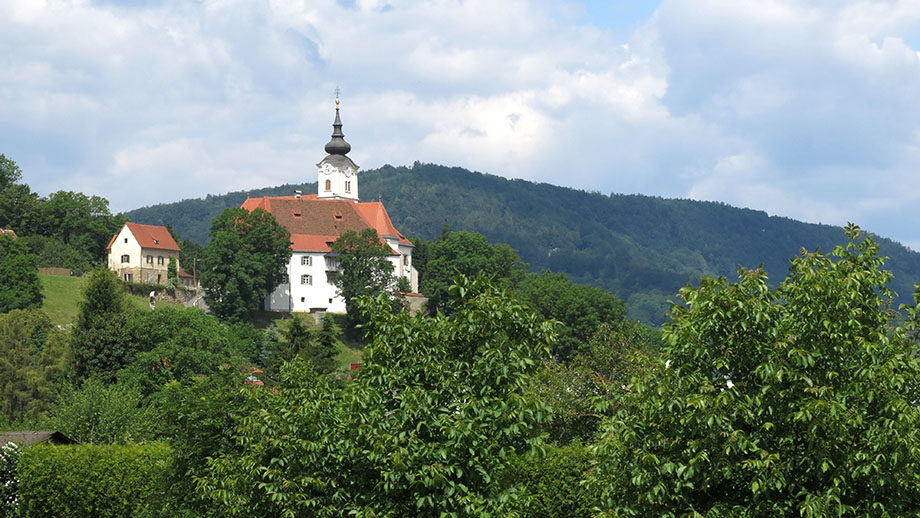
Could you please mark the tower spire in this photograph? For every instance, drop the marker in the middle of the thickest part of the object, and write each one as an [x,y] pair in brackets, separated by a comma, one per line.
[337,146]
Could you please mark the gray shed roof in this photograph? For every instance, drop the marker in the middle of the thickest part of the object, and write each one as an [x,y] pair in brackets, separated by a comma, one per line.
[29,437]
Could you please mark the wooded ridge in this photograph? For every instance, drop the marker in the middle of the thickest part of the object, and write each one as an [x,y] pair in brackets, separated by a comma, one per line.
[643,248]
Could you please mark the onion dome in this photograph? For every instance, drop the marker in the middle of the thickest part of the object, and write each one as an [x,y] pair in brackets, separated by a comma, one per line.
[337,146]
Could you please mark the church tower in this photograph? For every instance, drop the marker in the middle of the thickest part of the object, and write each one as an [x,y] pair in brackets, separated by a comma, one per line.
[337,175]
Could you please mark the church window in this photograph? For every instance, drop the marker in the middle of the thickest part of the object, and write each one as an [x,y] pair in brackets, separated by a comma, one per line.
[405,260]
[126,258]
[306,261]
[306,279]
[149,259]
[347,186]
[328,185]
[159,259]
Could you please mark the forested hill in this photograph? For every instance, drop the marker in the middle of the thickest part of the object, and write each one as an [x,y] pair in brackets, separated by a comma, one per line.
[642,248]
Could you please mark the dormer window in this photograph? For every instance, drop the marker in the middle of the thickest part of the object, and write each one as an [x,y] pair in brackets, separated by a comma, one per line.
[297,213]
[156,241]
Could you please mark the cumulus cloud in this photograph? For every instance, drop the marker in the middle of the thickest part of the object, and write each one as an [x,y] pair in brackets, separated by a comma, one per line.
[805,109]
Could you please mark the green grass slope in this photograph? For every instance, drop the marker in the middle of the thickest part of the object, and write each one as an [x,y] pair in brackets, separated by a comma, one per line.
[62,298]
[642,248]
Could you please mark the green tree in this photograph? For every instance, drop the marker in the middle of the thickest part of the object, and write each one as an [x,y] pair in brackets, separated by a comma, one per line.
[798,401]
[81,221]
[424,429]
[589,387]
[469,254]
[203,413]
[52,252]
[245,260]
[177,344]
[189,255]
[100,413]
[579,307]
[364,269]
[32,356]
[20,287]
[101,342]
[316,346]
[18,203]
[172,271]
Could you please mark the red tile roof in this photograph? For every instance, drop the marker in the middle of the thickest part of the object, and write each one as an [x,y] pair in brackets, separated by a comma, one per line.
[316,223]
[150,236]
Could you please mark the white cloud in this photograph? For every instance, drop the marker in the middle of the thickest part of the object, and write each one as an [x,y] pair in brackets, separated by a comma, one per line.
[805,109]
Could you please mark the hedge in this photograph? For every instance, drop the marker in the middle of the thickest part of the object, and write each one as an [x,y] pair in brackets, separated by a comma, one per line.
[143,289]
[553,483]
[111,481]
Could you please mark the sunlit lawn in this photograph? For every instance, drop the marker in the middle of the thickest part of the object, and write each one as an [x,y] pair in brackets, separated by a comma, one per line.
[62,298]
[62,295]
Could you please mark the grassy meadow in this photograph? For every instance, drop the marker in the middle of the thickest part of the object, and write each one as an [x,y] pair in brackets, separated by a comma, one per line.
[62,298]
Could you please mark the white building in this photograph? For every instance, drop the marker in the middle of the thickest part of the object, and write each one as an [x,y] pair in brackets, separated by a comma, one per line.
[316,221]
[141,253]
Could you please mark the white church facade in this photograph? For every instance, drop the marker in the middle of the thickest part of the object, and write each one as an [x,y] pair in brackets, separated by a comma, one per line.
[316,221]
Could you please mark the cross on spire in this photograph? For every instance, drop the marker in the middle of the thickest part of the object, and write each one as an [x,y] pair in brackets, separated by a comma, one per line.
[337,91]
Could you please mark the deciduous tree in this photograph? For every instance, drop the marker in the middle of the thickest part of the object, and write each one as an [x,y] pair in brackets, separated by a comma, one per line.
[424,429]
[469,254]
[580,308]
[798,401]
[364,268]
[245,260]
[20,287]
[18,204]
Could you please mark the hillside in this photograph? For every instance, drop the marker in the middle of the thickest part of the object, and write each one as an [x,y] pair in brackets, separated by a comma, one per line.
[640,247]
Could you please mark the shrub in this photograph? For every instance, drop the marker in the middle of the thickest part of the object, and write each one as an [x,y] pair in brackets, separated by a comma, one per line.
[93,481]
[553,483]
[9,481]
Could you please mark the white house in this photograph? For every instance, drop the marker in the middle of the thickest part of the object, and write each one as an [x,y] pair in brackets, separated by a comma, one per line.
[140,253]
[315,221]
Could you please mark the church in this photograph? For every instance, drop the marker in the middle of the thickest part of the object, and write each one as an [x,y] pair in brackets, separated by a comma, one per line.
[317,220]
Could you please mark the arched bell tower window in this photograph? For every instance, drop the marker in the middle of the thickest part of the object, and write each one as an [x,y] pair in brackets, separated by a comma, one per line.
[347,186]
[328,185]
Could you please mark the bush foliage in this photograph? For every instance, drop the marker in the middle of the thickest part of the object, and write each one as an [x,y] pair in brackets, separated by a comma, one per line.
[92,481]
[553,483]
[795,401]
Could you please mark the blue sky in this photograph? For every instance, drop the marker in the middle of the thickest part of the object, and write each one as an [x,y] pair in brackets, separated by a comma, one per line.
[806,109]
